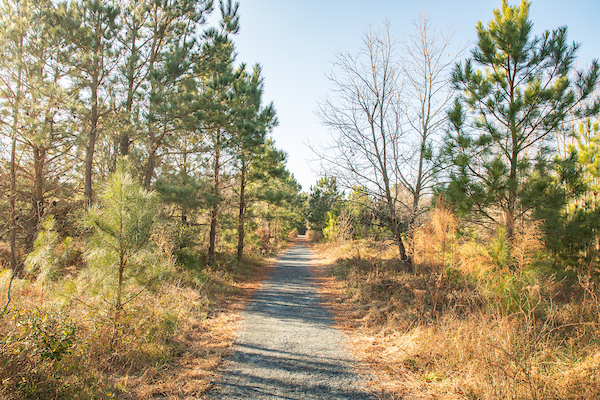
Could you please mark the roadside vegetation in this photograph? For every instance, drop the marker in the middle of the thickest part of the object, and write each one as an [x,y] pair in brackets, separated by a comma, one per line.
[141,196]
[458,219]
[128,308]
[474,316]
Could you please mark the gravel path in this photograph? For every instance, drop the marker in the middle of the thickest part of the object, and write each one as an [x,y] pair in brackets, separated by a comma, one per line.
[287,348]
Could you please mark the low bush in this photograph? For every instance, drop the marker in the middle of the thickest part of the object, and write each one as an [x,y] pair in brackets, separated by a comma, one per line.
[60,340]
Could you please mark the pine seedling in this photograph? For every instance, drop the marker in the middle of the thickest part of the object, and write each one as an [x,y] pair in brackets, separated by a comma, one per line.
[47,254]
[121,251]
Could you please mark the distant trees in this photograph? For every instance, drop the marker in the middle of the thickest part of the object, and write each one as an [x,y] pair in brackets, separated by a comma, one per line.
[324,197]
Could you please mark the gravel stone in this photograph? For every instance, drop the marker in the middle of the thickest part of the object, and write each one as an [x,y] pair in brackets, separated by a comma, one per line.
[288,348]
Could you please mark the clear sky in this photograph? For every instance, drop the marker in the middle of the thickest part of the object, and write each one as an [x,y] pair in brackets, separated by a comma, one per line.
[295,41]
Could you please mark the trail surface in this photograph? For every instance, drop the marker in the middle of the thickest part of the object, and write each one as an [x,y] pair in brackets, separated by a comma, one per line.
[287,348]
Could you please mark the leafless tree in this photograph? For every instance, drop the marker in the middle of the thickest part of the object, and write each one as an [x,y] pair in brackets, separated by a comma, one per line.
[428,58]
[364,113]
[385,113]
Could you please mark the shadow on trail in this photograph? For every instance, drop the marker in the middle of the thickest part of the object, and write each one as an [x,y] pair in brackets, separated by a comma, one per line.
[287,348]
[320,375]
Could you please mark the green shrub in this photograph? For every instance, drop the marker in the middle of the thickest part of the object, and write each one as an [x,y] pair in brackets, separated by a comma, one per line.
[124,247]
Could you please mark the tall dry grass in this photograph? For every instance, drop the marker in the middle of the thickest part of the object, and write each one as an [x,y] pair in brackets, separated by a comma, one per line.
[475,317]
[59,341]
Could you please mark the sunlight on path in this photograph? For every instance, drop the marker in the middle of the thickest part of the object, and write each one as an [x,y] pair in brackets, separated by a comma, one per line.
[287,348]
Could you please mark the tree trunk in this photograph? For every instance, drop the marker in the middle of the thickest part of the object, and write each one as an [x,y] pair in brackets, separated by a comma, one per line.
[124,138]
[37,195]
[392,212]
[398,237]
[213,234]
[118,302]
[150,167]
[92,137]
[154,144]
[241,217]
[215,211]
[13,164]
[509,210]
[395,223]
[13,188]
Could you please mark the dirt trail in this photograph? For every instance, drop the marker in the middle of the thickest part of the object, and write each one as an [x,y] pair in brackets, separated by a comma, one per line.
[287,348]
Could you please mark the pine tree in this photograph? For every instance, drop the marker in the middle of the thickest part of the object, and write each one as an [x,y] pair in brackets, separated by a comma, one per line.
[46,134]
[274,199]
[121,250]
[93,30]
[215,77]
[573,227]
[13,37]
[515,93]
[173,28]
[252,122]
[323,198]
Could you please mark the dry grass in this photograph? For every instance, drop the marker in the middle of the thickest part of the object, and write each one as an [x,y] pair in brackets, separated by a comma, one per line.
[463,325]
[60,342]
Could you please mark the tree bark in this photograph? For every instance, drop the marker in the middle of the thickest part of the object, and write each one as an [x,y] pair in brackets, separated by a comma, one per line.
[396,230]
[13,187]
[215,210]
[37,195]
[124,138]
[242,212]
[509,210]
[150,166]
[92,137]
[13,163]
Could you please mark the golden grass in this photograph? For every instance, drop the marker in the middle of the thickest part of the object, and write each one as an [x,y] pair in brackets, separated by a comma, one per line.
[60,342]
[447,330]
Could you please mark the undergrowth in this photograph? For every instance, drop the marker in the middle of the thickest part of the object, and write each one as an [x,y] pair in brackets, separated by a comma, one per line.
[128,309]
[473,317]
[59,341]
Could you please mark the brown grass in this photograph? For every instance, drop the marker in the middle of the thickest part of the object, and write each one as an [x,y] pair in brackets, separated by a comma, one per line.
[57,342]
[461,326]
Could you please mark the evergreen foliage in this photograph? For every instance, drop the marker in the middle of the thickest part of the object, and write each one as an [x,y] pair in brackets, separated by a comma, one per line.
[324,198]
[515,94]
[48,252]
[572,220]
[122,251]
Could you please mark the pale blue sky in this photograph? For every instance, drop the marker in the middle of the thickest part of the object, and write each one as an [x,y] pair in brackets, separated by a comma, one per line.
[296,41]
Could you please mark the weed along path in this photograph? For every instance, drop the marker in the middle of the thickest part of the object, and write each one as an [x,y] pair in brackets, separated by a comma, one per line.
[287,347]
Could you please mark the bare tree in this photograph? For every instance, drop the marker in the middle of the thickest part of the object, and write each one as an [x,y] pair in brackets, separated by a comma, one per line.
[364,114]
[428,58]
[386,113]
